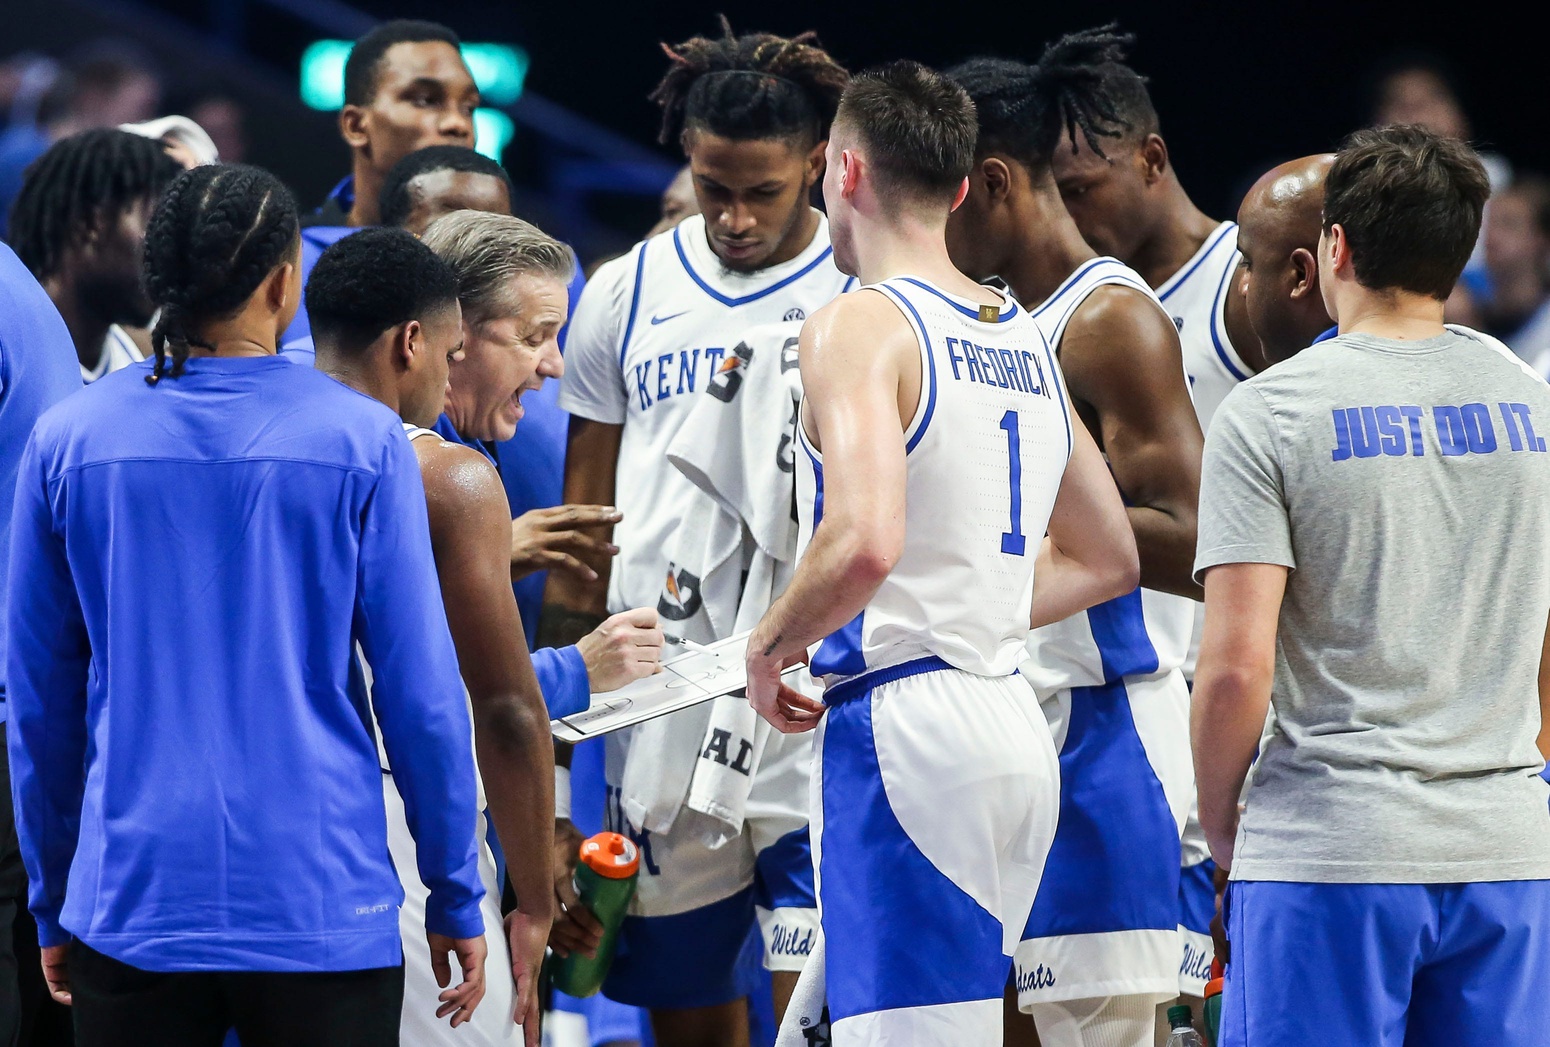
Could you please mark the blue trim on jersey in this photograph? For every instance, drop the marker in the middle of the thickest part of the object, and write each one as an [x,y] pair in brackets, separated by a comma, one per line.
[629,325]
[1060,393]
[925,340]
[1119,630]
[898,931]
[1114,865]
[839,654]
[849,283]
[724,299]
[1325,336]
[973,314]
[1216,339]
[1176,281]
[1069,282]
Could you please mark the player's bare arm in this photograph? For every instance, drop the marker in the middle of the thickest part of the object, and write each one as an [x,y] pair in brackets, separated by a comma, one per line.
[1125,371]
[861,379]
[1232,690]
[1089,554]
[574,603]
[470,534]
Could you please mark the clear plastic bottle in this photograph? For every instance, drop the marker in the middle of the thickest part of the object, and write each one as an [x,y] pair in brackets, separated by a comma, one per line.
[1181,1020]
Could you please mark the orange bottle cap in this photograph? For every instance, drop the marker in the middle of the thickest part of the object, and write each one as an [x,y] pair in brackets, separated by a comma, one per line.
[1214,987]
[611,855]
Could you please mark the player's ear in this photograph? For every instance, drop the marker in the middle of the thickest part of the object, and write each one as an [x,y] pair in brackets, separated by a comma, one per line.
[408,343]
[1338,247]
[998,179]
[1305,273]
[815,163]
[963,192]
[352,126]
[850,172]
[276,286]
[1153,156]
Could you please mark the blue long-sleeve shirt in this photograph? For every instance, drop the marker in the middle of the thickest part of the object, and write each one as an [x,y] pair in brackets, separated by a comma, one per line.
[38,369]
[197,784]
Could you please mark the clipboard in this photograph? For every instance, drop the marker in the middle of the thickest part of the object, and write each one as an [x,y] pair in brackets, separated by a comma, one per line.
[686,679]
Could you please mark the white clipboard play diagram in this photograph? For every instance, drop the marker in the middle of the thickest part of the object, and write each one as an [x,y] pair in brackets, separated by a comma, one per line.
[686,679]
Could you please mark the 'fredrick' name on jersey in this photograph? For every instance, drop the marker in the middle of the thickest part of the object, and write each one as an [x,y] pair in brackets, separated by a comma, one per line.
[1002,368]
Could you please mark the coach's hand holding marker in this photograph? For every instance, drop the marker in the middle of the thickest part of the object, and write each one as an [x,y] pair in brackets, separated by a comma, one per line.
[625,648]
[459,1001]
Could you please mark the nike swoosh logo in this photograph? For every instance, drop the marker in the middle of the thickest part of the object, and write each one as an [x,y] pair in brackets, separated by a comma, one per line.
[664,319]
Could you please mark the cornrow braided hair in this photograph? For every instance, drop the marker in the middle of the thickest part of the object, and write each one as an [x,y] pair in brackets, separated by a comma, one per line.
[753,86]
[1026,110]
[82,183]
[219,232]
[1077,77]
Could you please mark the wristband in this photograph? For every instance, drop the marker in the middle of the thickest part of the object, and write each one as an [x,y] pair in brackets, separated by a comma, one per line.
[561,792]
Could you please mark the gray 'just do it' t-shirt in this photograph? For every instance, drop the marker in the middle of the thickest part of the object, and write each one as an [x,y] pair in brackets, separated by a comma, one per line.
[1407,485]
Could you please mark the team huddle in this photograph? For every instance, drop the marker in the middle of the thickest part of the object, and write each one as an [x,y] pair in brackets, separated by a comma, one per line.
[1141,572]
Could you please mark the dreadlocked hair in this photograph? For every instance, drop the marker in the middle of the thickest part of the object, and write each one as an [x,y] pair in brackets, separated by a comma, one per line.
[753,86]
[81,184]
[1078,84]
[219,231]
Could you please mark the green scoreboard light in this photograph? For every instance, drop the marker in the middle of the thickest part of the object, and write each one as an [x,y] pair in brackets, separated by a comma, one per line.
[498,69]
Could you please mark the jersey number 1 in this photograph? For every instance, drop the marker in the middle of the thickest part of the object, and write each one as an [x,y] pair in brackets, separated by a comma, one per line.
[1014,542]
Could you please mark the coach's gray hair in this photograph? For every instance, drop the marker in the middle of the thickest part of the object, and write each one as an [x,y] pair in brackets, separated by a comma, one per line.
[487,252]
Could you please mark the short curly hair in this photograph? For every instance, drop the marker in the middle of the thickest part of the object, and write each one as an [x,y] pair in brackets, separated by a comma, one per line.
[396,200]
[371,282]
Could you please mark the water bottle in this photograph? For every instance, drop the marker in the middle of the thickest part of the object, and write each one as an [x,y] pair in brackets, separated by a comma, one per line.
[605,882]
[1181,1020]
[1214,1004]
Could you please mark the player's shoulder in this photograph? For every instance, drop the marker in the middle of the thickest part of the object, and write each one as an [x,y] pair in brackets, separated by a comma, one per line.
[861,308]
[1118,311]
[456,476]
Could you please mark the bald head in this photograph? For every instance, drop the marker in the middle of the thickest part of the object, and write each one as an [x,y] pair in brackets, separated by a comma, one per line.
[1278,233]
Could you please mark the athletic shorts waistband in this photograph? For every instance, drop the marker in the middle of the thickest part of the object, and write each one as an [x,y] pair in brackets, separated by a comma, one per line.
[856,686]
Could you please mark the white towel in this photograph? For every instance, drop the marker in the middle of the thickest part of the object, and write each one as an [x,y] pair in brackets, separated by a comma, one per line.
[806,1024]
[732,555]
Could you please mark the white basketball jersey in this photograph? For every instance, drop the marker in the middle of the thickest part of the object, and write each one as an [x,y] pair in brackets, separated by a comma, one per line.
[1138,634]
[986,449]
[1196,298]
[654,329]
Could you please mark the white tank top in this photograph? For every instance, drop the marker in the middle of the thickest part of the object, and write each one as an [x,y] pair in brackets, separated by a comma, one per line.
[1141,633]
[1196,298]
[986,449]
[676,323]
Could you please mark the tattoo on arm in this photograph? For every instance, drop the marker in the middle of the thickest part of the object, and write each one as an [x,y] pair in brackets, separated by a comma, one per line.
[773,645]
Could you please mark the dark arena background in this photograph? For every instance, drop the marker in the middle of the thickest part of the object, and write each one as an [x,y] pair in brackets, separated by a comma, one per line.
[1239,87]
